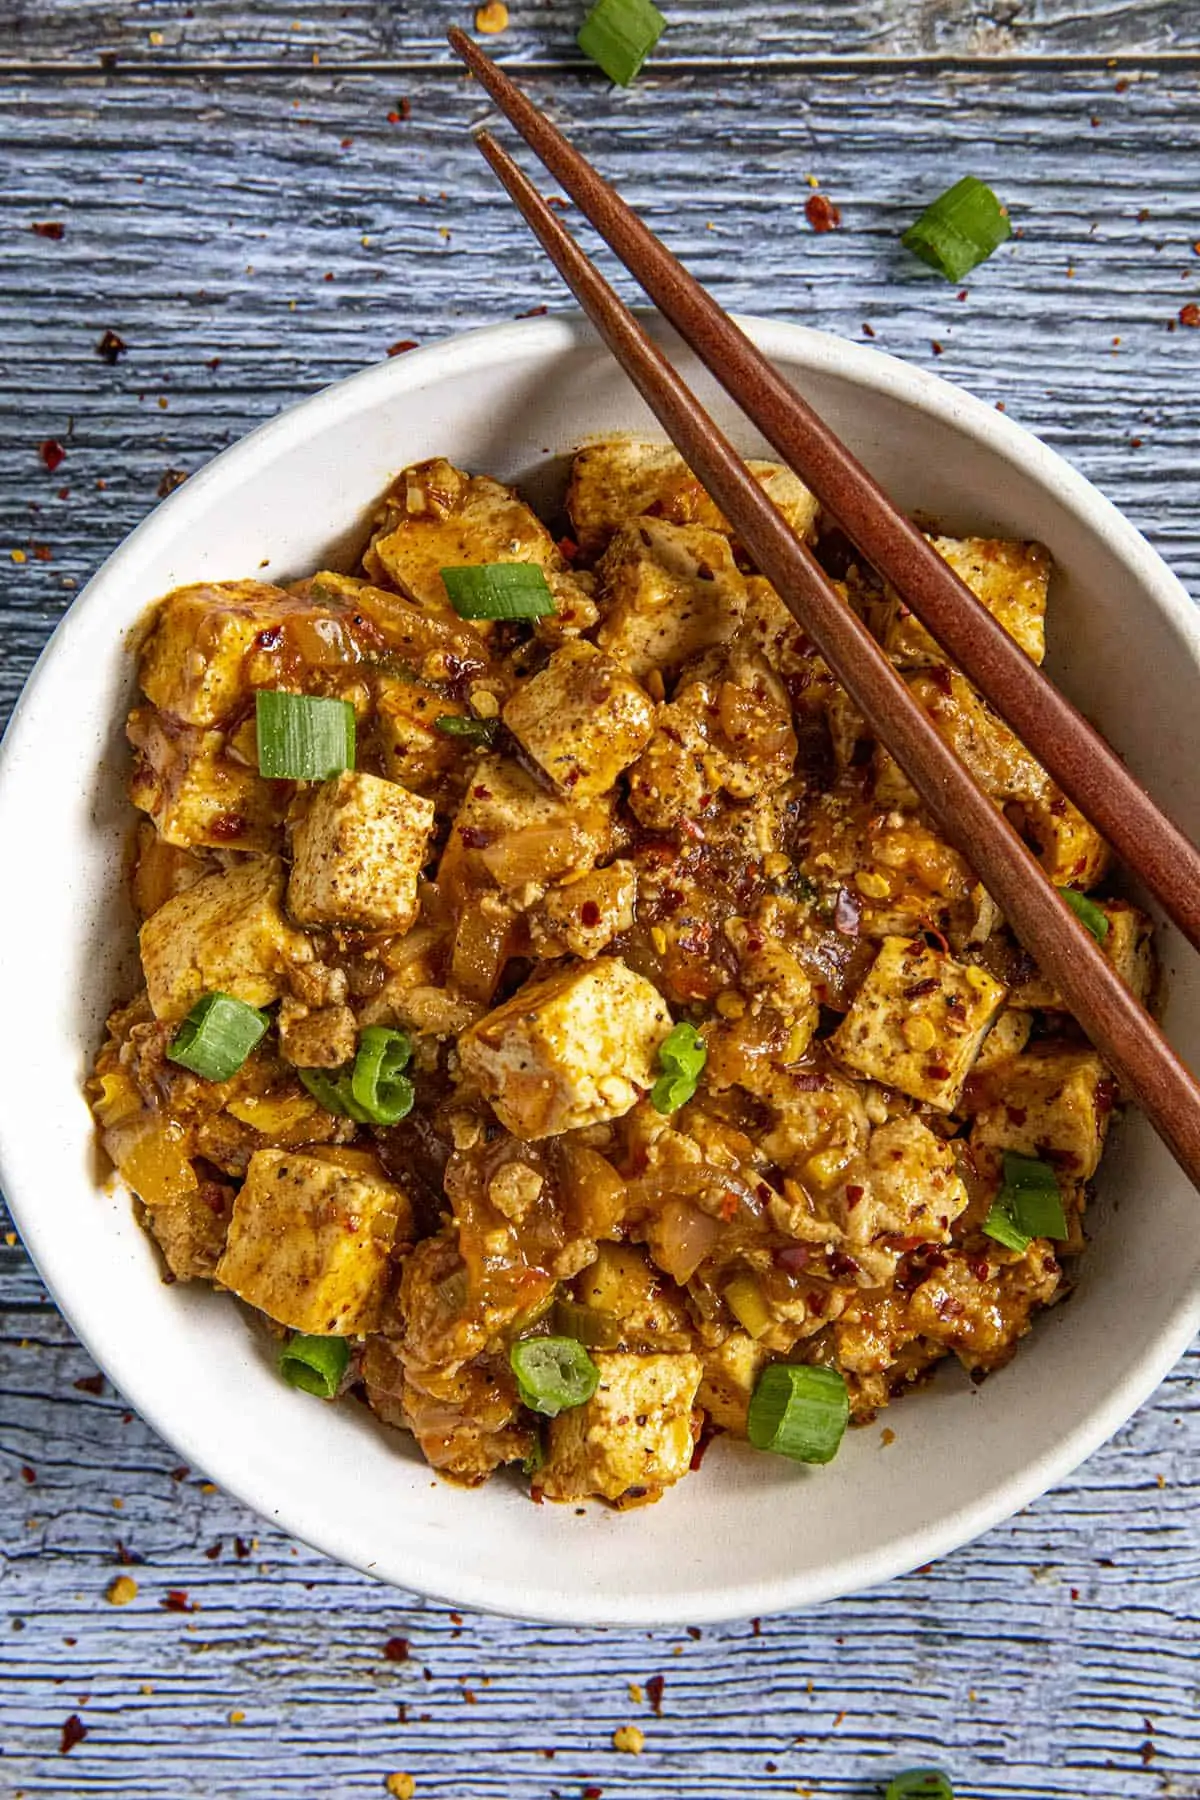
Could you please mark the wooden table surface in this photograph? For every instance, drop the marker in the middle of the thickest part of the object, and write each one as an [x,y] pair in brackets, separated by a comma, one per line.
[260,199]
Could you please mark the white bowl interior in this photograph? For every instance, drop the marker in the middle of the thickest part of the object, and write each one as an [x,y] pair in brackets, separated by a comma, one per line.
[751,1533]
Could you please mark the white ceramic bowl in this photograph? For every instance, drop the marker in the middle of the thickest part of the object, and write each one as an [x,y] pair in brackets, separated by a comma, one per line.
[751,1533]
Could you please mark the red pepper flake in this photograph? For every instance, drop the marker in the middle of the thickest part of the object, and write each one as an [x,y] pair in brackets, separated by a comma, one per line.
[401,345]
[241,1548]
[64,493]
[214,1550]
[52,453]
[396,1649]
[532,312]
[568,549]
[938,349]
[868,330]
[821,213]
[73,1732]
[756,1627]
[592,1793]
[181,1473]
[90,1384]
[54,229]
[42,552]
[110,347]
[854,1194]
[28,1474]
[1121,87]
[128,1559]
[654,1693]
[589,914]
[169,480]
[176,1600]
[346,143]
[1190,314]
[401,112]
[695,1633]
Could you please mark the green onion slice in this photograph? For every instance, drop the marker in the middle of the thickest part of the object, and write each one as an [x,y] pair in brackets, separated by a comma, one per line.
[476,731]
[553,1373]
[511,590]
[920,1784]
[799,1410]
[587,1324]
[334,1091]
[960,229]
[619,35]
[217,1036]
[681,1057]
[1028,1205]
[1087,912]
[315,1364]
[302,737]
[376,1082]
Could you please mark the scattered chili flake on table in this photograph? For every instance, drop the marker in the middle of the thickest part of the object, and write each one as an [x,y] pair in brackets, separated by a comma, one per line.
[396,1649]
[532,312]
[1190,314]
[592,1793]
[73,1732]
[938,349]
[54,229]
[654,1693]
[169,480]
[821,213]
[492,18]
[111,346]
[43,553]
[401,112]
[401,345]
[176,1600]
[90,1384]
[52,453]
[868,330]
[629,1739]
[121,1590]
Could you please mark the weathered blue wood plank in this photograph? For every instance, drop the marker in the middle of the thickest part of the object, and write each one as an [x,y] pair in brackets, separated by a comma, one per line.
[1056,1659]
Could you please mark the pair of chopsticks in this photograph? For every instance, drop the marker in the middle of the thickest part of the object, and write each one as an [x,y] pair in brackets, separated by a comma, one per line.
[1085,767]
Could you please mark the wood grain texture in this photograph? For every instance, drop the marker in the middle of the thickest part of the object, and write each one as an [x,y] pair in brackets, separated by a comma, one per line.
[1059,1656]
[698,30]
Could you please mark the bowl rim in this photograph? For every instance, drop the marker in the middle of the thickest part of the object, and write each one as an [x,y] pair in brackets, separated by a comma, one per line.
[463,353]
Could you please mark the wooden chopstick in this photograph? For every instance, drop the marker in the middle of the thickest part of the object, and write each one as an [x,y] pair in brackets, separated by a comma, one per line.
[1120,1028]
[1079,759]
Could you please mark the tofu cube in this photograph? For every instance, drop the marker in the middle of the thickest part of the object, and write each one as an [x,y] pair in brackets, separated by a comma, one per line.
[358,853]
[1007,1038]
[1055,1101]
[582,719]
[646,1309]
[907,1185]
[667,592]
[191,664]
[731,1373]
[582,918]
[226,933]
[195,791]
[1011,579]
[310,1239]
[917,1021]
[435,517]
[568,1050]
[633,1438]
[510,831]
[1127,945]
[617,478]
[415,752]
[1069,847]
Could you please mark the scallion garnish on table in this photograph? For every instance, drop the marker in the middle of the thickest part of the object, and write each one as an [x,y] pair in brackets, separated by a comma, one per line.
[1029,1204]
[919,1784]
[619,35]
[681,1057]
[799,1410]
[303,737]
[217,1036]
[511,590]
[315,1364]
[553,1373]
[960,229]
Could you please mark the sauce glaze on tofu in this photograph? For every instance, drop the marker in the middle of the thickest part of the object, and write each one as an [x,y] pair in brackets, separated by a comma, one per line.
[561,839]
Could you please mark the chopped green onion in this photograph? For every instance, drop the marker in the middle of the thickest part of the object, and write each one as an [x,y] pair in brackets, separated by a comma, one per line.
[1028,1205]
[217,1036]
[535,1458]
[335,1093]
[477,731]
[799,1410]
[1087,912]
[302,737]
[920,1784]
[376,1082]
[315,1364]
[960,229]
[553,1373]
[511,590]
[619,35]
[681,1057]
